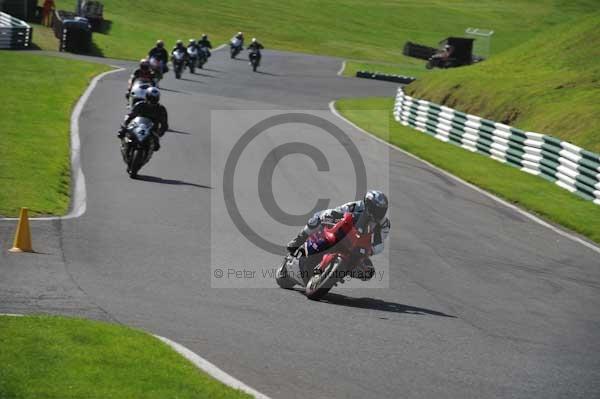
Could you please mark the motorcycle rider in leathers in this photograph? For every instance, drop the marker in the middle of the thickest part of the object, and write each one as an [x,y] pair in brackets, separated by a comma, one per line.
[144,72]
[368,215]
[149,108]
[159,52]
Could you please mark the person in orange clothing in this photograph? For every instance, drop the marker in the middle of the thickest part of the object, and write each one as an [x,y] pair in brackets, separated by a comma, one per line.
[47,9]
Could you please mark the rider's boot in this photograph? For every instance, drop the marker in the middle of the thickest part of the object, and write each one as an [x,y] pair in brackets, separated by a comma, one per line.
[294,244]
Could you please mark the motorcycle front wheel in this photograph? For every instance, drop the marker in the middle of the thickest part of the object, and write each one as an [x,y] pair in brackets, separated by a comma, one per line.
[137,159]
[320,284]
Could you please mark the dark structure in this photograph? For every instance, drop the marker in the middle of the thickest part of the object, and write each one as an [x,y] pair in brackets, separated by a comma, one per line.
[14,33]
[22,9]
[74,33]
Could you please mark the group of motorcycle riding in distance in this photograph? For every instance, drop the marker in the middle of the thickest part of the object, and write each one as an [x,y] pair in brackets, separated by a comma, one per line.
[147,120]
[335,243]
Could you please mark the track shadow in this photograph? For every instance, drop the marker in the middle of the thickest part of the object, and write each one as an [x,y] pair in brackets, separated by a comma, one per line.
[103,27]
[173,90]
[177,132]
[378,304]
[211,70]
[196,73]
[192,80]
[154,179]
[267,73]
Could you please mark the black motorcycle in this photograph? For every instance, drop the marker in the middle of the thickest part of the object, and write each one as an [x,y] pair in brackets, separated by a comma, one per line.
[254,57]
[138,144]
[202,56]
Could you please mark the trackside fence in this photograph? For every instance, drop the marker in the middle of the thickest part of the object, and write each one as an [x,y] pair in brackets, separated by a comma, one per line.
[562,163]
[14,33]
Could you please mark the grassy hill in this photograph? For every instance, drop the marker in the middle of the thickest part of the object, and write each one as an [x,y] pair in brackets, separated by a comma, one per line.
[40,92]
[550,84]
[375,30]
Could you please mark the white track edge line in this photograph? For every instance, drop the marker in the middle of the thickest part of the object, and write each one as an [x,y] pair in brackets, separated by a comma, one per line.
[78,200]
[528,215]
[199,362]
[341,71]
[211,369]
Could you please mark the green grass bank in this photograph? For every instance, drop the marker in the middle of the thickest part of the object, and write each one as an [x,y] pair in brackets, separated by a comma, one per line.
[39,93]
[58,357]
[374,30]
[527,191]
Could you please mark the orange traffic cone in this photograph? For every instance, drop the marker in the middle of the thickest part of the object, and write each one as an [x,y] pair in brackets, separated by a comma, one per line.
[22,241]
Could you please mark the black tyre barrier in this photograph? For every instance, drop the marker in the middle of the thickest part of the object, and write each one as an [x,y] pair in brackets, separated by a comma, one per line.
[419,51]
[384,76]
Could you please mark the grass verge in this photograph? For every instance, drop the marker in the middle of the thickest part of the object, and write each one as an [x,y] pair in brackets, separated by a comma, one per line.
[520,188]
[550,84]
[59,357]
[39,93]
[374,30]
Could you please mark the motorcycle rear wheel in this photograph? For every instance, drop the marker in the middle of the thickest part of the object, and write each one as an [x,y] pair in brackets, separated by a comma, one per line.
[281,277]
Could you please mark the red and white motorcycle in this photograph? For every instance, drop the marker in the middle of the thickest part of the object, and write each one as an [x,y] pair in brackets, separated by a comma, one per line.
[343,249]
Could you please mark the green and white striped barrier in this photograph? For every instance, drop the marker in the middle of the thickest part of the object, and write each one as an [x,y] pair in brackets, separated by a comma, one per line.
[564,164]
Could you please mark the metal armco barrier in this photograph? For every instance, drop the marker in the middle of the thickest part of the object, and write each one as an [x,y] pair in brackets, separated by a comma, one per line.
[562,163]
[14,33]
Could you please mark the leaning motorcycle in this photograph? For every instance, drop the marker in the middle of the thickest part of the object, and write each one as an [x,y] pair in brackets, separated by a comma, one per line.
[235,46]
[178,63]
[344,257]
[137,145]
[192,58]
[254,58]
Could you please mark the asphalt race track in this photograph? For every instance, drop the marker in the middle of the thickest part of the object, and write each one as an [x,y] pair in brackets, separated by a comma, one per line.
[482,302]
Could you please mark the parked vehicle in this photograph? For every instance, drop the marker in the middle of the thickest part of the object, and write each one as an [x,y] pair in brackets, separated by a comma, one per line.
[137,145]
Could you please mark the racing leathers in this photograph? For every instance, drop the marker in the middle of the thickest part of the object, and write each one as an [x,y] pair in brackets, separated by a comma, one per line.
[255,48]
[205,45]
[155,112]
[361,220]
[161,54]
[141,74]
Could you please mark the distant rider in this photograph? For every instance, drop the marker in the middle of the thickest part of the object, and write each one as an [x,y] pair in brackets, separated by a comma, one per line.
[204,44]
[193,46]
[160,53]
[179,47]
[368,215]
[255,47]
[143,72]
[152,109]
[239,36]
